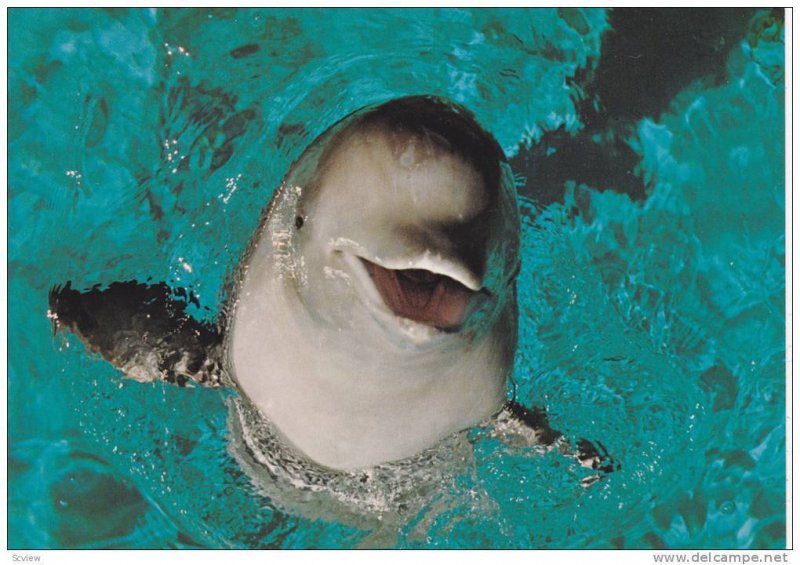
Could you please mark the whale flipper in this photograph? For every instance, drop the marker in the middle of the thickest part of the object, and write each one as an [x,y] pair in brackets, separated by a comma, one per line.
[594,455]
[518,425]
[143,330]
[533,420]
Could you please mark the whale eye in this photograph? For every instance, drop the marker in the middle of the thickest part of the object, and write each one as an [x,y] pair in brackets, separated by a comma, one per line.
[298,222]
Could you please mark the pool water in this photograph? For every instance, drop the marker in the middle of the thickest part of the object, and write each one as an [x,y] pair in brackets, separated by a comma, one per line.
[145,143]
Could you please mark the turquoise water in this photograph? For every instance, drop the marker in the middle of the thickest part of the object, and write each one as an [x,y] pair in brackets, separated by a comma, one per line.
[145,143]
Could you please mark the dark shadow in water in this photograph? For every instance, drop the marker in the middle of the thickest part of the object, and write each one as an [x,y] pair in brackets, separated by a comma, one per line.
[648,56]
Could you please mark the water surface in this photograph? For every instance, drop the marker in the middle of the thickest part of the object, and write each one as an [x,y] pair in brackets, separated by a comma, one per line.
[144,143]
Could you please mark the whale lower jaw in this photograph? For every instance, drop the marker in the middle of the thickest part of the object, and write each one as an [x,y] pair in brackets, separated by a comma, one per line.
[418,299]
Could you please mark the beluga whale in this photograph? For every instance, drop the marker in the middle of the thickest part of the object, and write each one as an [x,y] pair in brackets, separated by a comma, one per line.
[377,312]
[374,312]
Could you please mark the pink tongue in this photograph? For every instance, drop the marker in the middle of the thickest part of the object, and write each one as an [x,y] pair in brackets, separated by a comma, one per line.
[422,296]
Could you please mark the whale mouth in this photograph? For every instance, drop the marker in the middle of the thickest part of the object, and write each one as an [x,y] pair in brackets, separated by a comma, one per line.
[422,296]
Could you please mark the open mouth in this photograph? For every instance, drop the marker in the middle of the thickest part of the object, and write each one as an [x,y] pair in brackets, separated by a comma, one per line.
[421,295]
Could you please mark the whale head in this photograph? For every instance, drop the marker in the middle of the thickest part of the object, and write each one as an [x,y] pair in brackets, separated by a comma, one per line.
[376,307]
